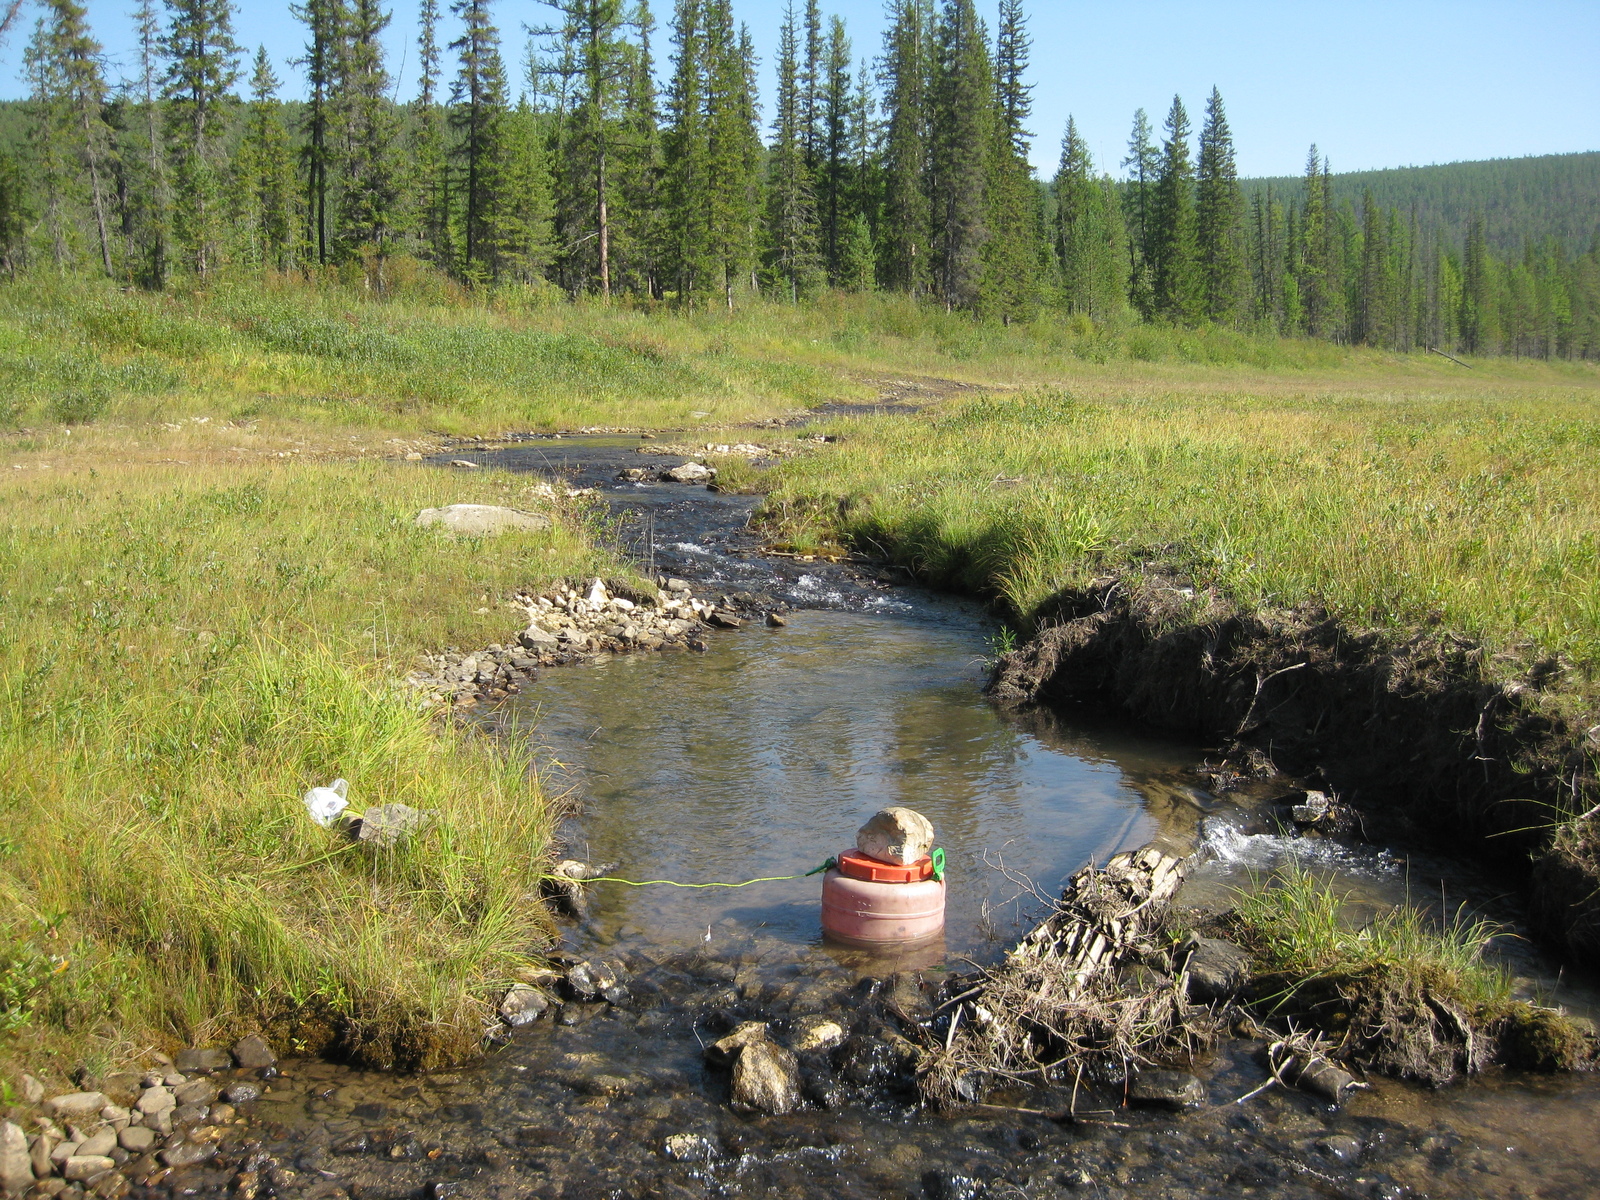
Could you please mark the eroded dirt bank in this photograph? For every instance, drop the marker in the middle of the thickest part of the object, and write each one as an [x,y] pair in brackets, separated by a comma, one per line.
[1426,737]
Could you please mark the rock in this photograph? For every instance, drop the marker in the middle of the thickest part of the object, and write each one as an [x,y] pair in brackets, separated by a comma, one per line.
[1321,1078]
[724,1050]
[76,1106]
[241,1092]
[100,1144]
[537,637]
[156,1100]
[1313,809]
[31,1090]
[85,1166]
[677,585]
[121,1087]
[186,1115]
[222,1114]
[202,1060]
[723,619]
[16,1164]
[1340,1148]
[392,824]
[136,1140]
[40,1155]
[1216,970]
[481,520]
[116,1116]
[252,1053]
[49,1187]
[766,1079]
[690,472]
[523,1005]
[949,1185]
[199,1091]
[896,835]
[816,1033]
[774,621]
[111,1186]
[689,1147]
[589,979]
[413,456]
[463,464]
[1176,1090]
[188,1154]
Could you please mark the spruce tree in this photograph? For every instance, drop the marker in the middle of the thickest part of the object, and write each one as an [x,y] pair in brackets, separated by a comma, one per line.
[1010,285]
[636,242]
[834,176]
[733,149]
[324,21]
[963,128]
[49,136]
[1175,274]
[810,84]
[1313,285]
[686,228]
[369,173]
[1088,234]
[202,66]
[598,67]
[478,109]
[430,185]
[149,208]
[907,224]
[83,97]
[263,191]
[1143,164]
[1219,219]
[523,207]
[791,205]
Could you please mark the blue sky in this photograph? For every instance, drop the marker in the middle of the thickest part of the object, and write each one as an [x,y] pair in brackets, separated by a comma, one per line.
[1373,84]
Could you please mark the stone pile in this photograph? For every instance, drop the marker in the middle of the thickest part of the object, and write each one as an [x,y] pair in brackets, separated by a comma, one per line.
[134,1128]
[571,624]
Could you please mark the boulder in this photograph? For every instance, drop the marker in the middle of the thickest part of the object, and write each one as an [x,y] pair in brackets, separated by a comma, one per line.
[1216,970]
[766,1079]
[537,637]
[523,1005]
[689,1147]
[1176,1090]
[76,1106]
[100,1144]
[896,835]
[137,1140]
[252,1053]
[392,824]
[16,1166]
[691,472]
[816,1033]
[155,1100]
[241,1092]
[481,520]
[724,1050]
[86,1166]
[196,1091]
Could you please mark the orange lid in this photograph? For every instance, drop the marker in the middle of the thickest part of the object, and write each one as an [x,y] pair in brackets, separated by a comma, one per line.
[858,866]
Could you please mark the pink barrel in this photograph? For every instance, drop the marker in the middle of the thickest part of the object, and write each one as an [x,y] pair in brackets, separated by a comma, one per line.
[866,913]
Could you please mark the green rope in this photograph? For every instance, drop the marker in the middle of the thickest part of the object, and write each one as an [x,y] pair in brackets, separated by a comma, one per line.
[673,883]
[938,873]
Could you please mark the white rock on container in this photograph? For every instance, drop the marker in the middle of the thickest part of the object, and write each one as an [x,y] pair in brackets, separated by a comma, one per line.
[481,520]
[896,835]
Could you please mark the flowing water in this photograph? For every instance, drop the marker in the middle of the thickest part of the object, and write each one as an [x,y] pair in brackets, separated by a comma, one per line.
[759,758]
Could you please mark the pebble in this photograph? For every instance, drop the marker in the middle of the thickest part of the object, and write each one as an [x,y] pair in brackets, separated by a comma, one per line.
[137,1140]
[85,1166]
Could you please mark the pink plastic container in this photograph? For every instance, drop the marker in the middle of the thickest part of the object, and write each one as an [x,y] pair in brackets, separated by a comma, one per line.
[863,912]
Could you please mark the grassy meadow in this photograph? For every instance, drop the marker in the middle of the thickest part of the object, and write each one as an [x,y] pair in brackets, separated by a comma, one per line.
[188,646]
[1395,494]
[210,583]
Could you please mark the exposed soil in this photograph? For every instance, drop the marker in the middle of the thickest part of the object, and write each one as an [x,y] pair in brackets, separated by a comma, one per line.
[1427,737]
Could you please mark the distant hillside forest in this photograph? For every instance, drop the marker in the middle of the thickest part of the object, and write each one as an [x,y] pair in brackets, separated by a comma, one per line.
[906,171]
[1520,200]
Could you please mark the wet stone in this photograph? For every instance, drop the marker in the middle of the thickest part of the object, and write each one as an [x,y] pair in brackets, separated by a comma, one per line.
[241,1092]
[948,1185]
[689,1147]
[1340,1148]
[766,1078]
[252,1053]
[1174,1090]
[203,1060]
[1217,970]
[523,1005]
[199,1091]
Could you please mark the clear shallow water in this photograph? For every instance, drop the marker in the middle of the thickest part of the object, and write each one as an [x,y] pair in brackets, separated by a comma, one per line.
[763,756]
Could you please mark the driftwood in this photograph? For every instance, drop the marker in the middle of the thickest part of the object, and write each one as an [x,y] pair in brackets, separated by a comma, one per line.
[1056,1005]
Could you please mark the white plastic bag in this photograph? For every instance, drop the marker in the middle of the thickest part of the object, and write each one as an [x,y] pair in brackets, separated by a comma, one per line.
[326,803]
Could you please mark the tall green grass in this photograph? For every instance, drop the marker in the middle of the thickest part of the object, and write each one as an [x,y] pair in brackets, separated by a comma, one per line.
[1475,507]
[186,650]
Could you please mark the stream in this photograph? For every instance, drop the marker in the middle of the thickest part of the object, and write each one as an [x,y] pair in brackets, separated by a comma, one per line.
[759,758]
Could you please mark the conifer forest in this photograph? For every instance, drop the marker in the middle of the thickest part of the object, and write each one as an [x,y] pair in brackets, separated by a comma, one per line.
[588,151]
